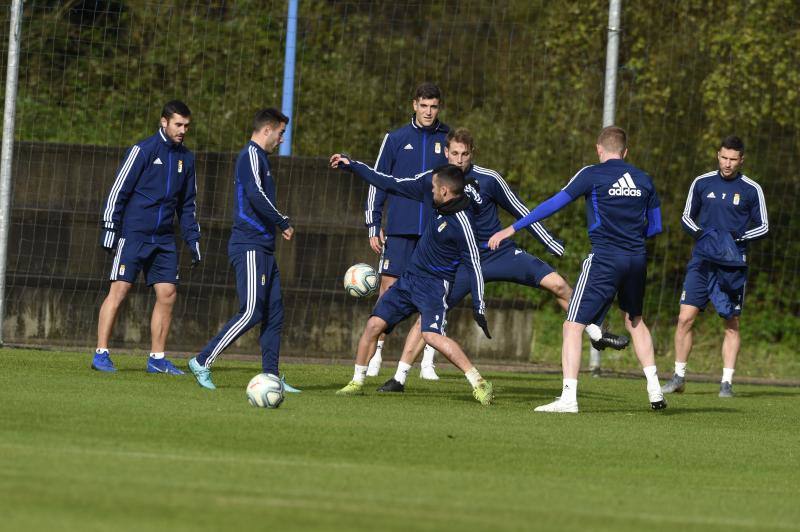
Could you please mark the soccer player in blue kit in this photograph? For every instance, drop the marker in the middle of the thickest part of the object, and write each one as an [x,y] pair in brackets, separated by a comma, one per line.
[488,190]
[622,210]
[447,241]
[725,210]
[408,150]
[257,222]
[155,182]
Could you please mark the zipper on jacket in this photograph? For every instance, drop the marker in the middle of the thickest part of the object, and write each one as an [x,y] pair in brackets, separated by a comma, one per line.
[166,196]
[424,151]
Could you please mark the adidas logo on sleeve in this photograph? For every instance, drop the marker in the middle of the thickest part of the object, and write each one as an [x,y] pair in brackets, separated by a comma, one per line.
[624,187]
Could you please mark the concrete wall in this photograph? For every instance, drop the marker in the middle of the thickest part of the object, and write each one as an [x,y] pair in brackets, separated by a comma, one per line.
[57,272]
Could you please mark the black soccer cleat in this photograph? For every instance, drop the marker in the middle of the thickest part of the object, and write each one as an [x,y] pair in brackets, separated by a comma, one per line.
[658,405]
[614,341]
[392,386]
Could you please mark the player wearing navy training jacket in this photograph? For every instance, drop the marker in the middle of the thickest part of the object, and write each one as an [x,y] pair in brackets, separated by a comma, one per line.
[409,150]
[622,210]
[155,182]
[488,190]
[725,209]
[257,222]
[447,242]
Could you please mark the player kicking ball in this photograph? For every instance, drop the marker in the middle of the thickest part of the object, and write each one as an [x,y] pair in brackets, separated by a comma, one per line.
[447,241]
[622,210]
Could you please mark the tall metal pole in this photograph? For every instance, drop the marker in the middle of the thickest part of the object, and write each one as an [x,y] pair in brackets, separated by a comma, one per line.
[7,153]
[288,75]
[612,58]
[609,112]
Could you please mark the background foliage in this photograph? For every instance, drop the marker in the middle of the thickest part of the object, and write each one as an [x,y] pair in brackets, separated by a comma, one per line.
[525,76]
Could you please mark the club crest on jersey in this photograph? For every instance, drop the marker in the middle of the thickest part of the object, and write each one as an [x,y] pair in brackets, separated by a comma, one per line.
[624,187]
[442,226]
[122,269]
[437,147]
[263,279]
[180,165]
[736,199]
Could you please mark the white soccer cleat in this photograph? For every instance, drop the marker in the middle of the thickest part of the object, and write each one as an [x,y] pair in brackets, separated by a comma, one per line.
[559,406]
[374,366]
[428,373]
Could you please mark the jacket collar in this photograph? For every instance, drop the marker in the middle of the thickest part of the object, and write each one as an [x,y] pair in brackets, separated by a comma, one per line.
[259,148]
[455,205]
[734,178]
[436,126]
[166,140]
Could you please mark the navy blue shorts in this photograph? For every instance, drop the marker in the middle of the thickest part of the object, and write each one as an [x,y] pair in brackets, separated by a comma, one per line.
[509,263]
[603,277]
[411,295]
[159,262]
[723,286]
[396,256]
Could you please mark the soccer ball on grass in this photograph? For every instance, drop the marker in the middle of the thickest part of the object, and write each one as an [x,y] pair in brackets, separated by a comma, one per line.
[265,391]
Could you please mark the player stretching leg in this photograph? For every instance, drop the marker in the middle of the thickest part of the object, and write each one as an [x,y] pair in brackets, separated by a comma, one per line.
[447,241]
[724,211]
[622,209]
[409,150]
[489,191]
[256,224]
[138,230]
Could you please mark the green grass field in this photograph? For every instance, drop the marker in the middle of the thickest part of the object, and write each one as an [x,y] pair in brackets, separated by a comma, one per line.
[86,451]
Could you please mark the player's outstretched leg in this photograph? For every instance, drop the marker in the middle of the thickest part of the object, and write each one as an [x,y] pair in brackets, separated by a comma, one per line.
[643,346]
[366,345]
[482,390]
[411,350]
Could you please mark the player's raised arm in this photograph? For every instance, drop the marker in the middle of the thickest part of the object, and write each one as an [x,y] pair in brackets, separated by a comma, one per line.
[508,200]
[407,187]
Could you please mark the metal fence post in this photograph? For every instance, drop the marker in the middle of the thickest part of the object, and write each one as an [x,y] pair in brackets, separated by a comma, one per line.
[6,156]
[288,76]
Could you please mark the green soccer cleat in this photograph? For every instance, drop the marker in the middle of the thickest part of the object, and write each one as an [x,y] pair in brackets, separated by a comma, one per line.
[484,393]
[352,388]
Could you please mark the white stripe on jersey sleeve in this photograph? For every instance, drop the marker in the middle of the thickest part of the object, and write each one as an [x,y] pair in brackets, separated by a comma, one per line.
[762,209]
[474,255]
[254,167]
[108,214]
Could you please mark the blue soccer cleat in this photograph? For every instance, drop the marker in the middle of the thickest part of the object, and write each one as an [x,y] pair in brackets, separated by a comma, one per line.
[162,365]
[202,374]
[288,387]
[102,362]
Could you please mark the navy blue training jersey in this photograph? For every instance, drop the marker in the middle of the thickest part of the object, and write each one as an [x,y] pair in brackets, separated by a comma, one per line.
[155,182]
[493,191]
[733,205]
[406,151]
[618,198]
[256,219]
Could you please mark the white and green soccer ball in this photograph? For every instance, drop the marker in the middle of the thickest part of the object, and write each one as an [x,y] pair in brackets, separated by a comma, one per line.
[360,280]
[265,391]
